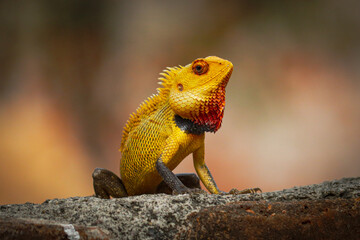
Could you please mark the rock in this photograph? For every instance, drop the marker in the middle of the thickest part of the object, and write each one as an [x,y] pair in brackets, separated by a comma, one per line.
[17,228]
[309,219]
[207,216]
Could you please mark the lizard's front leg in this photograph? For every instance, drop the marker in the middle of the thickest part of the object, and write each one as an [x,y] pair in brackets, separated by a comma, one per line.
[203,171]
[172,146]
[170,178]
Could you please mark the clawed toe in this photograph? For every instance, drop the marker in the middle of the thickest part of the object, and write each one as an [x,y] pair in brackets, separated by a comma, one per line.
[254,190]
[235,191]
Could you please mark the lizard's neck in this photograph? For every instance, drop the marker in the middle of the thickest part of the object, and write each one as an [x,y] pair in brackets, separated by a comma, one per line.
[202,112]
[186,125]
[189,126]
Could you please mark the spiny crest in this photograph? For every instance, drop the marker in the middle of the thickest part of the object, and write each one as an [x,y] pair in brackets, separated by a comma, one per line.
[151,104]
[167,78]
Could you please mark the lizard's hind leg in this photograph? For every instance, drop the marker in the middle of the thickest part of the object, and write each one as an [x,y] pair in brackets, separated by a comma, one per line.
[107,184]
[190,180]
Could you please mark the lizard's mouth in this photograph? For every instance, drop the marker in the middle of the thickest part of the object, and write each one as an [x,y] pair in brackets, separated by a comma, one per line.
[225,79]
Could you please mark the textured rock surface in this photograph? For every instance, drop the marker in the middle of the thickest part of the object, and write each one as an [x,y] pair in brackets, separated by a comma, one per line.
[18,228]
[165,216]
[309,219]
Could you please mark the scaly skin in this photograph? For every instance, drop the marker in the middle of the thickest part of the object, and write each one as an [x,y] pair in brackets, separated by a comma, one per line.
[169,126]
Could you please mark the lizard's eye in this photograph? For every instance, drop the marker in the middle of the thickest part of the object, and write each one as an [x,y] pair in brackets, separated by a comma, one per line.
[180,87]
[200,67]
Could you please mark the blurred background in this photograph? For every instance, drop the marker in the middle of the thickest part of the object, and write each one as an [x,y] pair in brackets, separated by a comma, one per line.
[71,72]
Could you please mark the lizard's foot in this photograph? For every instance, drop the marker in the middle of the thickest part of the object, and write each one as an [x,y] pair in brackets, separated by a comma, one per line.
[190,181]
[107,184]
[235,191]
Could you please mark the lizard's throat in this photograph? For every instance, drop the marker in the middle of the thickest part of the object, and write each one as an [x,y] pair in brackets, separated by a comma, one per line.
[212,112]
[209,115]
[201,124]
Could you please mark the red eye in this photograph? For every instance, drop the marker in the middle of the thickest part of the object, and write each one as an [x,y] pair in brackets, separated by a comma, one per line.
[200,67]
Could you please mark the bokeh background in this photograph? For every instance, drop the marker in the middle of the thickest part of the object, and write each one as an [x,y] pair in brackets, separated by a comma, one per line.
[71,72]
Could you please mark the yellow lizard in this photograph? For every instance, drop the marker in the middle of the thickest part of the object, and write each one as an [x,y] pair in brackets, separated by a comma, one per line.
[166,128]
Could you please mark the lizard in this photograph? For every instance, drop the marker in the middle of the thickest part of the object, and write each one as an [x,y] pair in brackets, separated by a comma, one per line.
[166,128]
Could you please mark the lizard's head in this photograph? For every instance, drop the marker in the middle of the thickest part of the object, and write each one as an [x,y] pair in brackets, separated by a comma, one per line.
[197,91]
